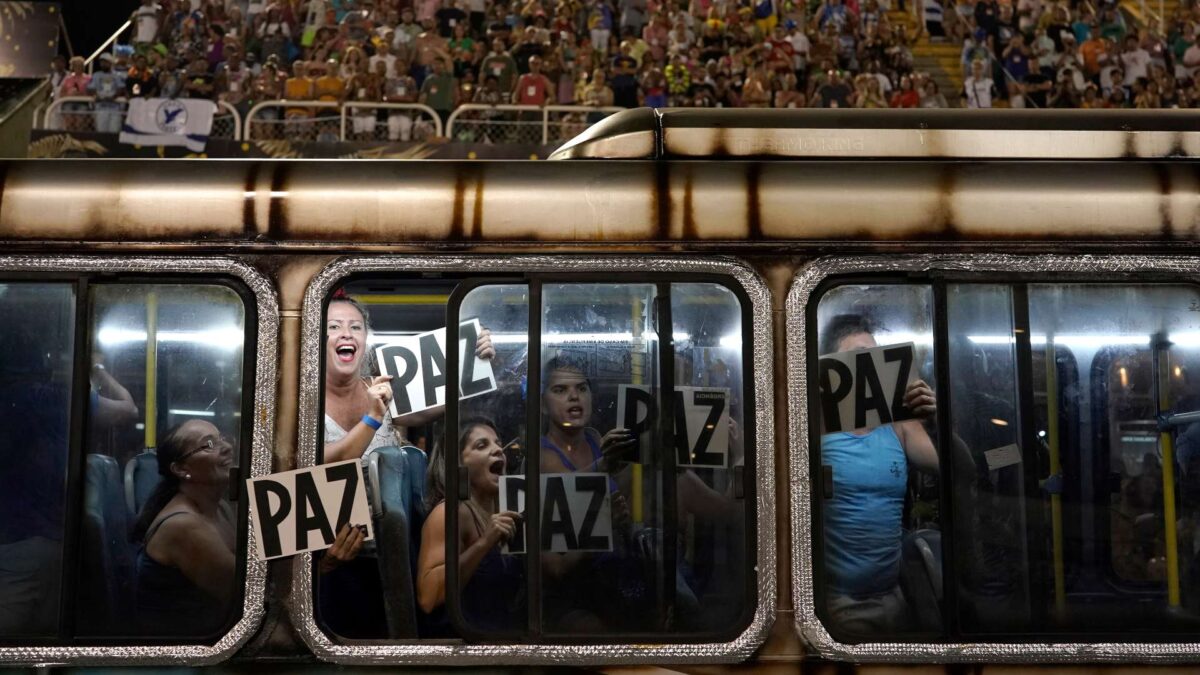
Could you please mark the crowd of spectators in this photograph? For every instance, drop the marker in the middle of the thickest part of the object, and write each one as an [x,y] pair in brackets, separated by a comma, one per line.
[1044,54]
[628,53]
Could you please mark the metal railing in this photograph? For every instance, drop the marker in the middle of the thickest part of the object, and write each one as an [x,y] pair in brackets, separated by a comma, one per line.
[330,121]
[80,113]
[308,121]
[112,40]
[481,123]
[297,121]
[398,124]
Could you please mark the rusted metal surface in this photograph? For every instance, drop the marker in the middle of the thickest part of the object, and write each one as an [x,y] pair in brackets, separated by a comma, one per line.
[920,134]
[597,203]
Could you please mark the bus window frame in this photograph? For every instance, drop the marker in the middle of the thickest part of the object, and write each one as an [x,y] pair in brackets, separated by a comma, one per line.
[467,268]
[261,307]
[809,284]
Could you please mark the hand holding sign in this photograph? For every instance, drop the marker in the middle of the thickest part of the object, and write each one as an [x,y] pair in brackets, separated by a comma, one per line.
[502,527]
[615,446]
[380,393]
[483,345]
[920,400]
[417,364]
[701,422]
[576,514]
[345,548]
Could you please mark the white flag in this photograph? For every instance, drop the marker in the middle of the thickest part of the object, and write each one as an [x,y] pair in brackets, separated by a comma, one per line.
[169,121]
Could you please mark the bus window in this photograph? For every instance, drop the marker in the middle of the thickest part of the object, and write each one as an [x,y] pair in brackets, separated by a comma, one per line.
[488,447]
[373,595]
[878,500]
[37,368]
[163,443]
[1067,455]
[596,338]
[126,437]
[588,470]
[1133,511]
[641,533]
[990,531]
[711,523]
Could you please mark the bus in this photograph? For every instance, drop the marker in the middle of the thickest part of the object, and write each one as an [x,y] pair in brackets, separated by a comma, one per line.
[646,330]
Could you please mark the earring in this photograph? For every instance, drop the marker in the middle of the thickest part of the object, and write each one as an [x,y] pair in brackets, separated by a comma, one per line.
[187,476]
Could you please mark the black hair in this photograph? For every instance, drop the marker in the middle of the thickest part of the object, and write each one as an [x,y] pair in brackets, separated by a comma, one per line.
[170,450]
[842,326]
[435,477]
[563,363]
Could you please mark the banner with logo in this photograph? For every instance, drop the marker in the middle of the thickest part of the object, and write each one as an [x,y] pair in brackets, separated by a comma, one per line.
[169,121]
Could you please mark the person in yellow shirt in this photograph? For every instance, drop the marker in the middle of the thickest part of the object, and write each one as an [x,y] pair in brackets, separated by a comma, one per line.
[299,87]
[328,86]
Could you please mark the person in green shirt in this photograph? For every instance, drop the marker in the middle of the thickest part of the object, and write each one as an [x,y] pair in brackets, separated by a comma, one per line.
[462,48]
[440,90]
[500,64]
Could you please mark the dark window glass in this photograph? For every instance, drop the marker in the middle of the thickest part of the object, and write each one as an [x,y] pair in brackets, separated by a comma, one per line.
[36,368]
[642,531]
[158,552]
[1066,504]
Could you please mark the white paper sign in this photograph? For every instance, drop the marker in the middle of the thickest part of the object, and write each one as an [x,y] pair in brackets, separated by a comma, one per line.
[998,458]
[864,389]
[289,508]
[701,422]
[575,512]
[417,364]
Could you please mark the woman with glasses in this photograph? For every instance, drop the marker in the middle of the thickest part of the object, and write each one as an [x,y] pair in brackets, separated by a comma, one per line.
[186,533]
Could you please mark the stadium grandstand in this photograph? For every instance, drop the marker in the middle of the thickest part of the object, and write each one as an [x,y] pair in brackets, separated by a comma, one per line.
[496,71]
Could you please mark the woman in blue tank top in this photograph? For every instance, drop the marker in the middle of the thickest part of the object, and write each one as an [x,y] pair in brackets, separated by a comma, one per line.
[862,520]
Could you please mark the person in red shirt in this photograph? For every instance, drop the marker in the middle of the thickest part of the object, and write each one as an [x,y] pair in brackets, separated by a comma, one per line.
[906,96]
[780,52]
[533,88]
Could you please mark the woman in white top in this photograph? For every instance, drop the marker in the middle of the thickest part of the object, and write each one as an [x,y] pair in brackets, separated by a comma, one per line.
[356,407]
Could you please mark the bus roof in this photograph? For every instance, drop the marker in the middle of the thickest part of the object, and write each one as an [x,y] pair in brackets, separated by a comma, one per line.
[713,133]
[460,204]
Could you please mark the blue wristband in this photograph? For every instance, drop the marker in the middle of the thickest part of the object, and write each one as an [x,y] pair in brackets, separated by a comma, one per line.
[371,422]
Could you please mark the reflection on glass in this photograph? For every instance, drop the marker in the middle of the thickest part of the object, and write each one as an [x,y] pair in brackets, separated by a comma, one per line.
[36,368]
[164,416]
[990,462]
[711,526]
[1123,512]
[1082,518]
[489,446]
[882,561]
[612,583]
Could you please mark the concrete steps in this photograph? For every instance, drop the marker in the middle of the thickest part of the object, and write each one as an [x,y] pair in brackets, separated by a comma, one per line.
[939,59]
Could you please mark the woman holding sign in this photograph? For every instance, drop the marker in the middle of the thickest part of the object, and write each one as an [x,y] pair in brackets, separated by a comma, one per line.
[356,408]
[863,525]
[492,597]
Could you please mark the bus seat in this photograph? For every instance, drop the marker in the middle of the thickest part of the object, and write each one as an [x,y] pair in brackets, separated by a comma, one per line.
[921,576]
[392,478]
[106,593]
[141,477]
[418,466]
